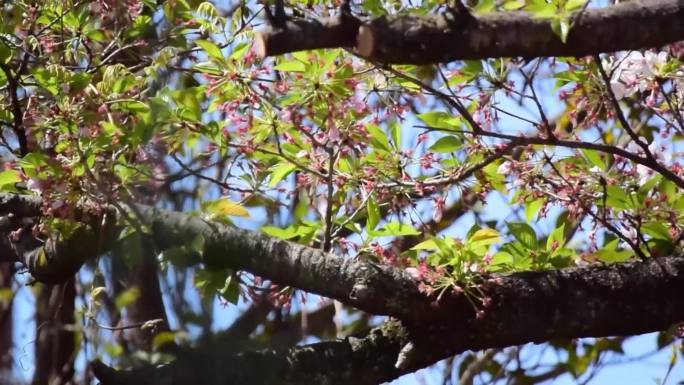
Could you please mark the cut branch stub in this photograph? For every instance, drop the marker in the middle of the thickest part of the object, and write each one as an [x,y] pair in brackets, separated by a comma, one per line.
[300,34]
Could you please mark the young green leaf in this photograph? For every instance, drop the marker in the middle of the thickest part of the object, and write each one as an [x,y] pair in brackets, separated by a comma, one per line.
[525,234]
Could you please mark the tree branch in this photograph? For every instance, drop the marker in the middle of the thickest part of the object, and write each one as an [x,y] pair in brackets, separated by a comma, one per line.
[621,299]
[374,288]
[17,114]
[599,300]
[411,39]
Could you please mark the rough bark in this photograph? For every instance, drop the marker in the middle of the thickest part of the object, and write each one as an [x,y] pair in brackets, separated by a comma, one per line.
[299,34]
[55,344]
[374,288]
[621,299]
[141,272]
[598,300]
[368,360]
[439,38]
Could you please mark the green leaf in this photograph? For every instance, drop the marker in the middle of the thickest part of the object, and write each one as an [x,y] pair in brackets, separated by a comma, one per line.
[610,254]
[656,230]
[47,79]
[594,157]
[210,48]
[520,254]
[239,51]
[133,106]
[541,9]
[484,234]
[5,53]
[164,338]
[557,236]
[97,291]
[282,233]
[484,237]
[396,134]
[230,290]
[473,229]
[525,234]
[224,207]
[647,187]
[501,258]
[497,180]
[307,232]
[484,6]
[378,138]
[429,244]
[304,56]
[446,144]
[618,198]
[32,162]
[513,5]
[561,27]
[211,282]
[375,7]
[208,68]
[373,213]
[9,177]
[532,208]
[396,229]
[79,81]
[564,29]
[291,66]
[279,172]
[96,35]
[189,105]
[439,119]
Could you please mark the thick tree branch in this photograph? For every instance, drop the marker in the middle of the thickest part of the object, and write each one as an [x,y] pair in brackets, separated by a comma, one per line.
[619,299]
[374,288]
[447,37]
[625,299]
[300,34]
[368,360]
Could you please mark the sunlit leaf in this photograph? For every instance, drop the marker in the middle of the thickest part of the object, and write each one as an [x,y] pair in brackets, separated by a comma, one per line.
[446,144]
[225,206]
[373,213]
[524,234]
[394,229]
[282,233]
[210,48]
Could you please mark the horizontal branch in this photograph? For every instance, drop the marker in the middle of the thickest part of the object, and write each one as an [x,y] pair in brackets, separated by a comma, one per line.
[374,288]
[440,38]
[599,300]
[625,299]
[300,35]
[363,361]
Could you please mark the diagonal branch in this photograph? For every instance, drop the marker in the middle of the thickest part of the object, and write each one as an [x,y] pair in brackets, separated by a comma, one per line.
[440,38]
